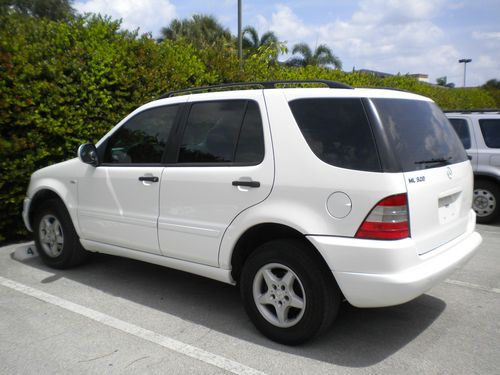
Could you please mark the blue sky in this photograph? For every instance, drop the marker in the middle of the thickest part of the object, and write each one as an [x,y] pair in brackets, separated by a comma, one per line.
[393,36]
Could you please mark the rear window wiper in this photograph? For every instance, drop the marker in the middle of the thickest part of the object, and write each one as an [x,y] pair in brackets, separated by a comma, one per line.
[434,161]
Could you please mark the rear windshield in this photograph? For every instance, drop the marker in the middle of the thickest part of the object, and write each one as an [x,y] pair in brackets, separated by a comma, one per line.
[420,134]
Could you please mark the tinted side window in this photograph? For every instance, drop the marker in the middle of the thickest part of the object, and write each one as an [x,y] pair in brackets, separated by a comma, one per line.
[143,138]
[462,130]
[250,149]
[338,132]
[212,132]
[491,132]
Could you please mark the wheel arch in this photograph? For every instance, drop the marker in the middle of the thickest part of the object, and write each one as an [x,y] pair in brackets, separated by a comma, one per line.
[259,234]
[487,177]
[41,196]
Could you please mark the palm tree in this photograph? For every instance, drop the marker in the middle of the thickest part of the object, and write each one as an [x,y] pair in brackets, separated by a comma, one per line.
[55,10]
[252,42]
[322,56]
[201,30]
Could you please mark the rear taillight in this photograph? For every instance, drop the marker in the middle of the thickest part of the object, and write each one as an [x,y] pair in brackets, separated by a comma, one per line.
[388,220]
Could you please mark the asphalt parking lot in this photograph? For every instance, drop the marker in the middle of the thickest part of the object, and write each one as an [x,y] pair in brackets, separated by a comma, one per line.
[115,315]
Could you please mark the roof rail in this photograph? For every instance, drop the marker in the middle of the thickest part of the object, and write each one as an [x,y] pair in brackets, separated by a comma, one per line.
[262,85]
[480,110]
[394,89]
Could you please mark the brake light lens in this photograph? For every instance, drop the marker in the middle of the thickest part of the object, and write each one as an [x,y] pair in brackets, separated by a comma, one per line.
[388,220]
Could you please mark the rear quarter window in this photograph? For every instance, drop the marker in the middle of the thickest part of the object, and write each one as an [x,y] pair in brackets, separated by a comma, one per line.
[338,132]
[491,132]
[462,129]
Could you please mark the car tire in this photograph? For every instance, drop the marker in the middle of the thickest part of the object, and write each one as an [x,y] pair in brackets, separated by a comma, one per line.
[55,237]
[288,293]
[486,201]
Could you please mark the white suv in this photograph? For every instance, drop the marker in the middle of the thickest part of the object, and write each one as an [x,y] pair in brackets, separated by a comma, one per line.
[302,196]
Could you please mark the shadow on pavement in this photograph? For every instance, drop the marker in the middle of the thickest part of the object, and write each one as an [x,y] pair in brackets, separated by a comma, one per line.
[359,337]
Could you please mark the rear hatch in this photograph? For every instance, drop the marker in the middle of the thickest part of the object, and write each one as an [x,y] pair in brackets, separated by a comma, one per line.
[437,172]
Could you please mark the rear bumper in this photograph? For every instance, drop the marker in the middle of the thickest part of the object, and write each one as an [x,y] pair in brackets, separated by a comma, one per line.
[398,275]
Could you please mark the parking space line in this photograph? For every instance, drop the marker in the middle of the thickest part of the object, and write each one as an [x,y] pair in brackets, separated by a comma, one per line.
[132,329]
[473,286]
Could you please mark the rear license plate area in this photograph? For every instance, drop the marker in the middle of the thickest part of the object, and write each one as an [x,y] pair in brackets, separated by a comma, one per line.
[449,207]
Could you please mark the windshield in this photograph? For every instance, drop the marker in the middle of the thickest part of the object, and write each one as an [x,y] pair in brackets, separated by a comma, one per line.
[420,134]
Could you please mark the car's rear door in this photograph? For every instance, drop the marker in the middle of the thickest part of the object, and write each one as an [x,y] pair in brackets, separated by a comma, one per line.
[224,166]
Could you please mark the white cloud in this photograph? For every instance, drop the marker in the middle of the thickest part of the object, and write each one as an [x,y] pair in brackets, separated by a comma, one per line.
[285,22]
[456,5]
[480,35]
[261,22]
[479,65]
[486,62]
[394,36]
[148,15]
[395,11]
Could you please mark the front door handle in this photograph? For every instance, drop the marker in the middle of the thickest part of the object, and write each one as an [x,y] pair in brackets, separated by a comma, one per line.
[149,178]
[254,184]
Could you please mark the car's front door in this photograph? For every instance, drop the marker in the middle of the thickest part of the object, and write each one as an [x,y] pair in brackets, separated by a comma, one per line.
[224,166]
[118,200]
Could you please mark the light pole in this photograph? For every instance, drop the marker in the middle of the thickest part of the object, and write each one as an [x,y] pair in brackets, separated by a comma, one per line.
[240,36]
[465,61]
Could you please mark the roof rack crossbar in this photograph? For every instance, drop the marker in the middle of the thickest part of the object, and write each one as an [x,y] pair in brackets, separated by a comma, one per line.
[261,84]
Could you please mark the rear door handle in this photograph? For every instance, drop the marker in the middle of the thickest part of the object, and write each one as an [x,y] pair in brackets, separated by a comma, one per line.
[149,178]
[254,184]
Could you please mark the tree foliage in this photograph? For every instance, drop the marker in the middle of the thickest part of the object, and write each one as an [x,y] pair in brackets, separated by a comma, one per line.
[443,81]
[62,84]
[66,83]
[493,88]
[492,84]
[203,31]
[52,9]
[322,56]
[252,42]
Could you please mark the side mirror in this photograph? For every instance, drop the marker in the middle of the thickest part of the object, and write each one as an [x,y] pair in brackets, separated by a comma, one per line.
[88,154]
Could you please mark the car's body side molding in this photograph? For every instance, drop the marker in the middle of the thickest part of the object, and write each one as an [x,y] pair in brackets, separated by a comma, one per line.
[214,273]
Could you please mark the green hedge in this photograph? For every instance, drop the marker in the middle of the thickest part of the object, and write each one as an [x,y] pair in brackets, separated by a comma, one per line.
[63,84]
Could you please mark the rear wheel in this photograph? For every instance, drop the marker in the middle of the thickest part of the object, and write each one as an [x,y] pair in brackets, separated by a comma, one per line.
[288,294]
[55,237]
[486,201]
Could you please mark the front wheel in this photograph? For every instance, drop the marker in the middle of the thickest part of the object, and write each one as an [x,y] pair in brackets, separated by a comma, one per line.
[486,201]
[55,237]
[288,293]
